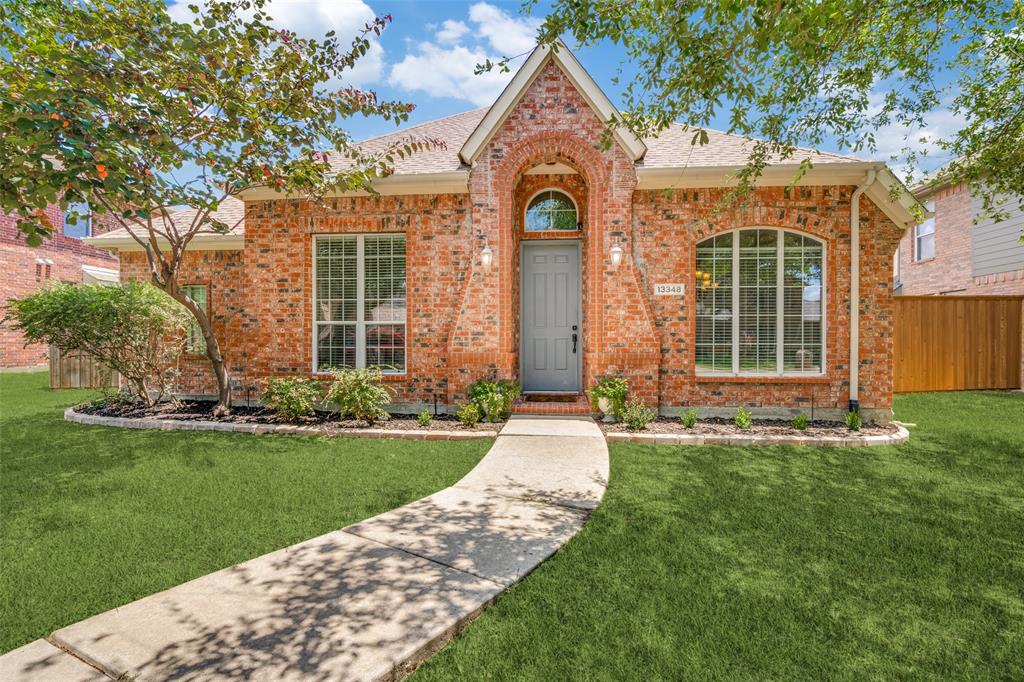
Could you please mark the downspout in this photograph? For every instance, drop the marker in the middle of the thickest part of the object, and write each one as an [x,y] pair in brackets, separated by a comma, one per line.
[855,290]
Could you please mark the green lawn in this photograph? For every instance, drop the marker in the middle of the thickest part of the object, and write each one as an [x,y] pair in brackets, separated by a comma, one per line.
[95,517]
[784,563]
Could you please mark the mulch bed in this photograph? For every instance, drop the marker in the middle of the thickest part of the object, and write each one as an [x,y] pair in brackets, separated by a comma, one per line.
[718,426]
[202,410]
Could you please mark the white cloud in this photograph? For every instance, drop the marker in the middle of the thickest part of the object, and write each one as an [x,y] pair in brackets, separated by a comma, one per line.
[448,72]
[451,31]
[508,35]
[444,66]
[313,19]
[892,141]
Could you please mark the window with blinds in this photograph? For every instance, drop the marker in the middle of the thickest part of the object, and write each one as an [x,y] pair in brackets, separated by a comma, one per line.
[759,303]
[359,302]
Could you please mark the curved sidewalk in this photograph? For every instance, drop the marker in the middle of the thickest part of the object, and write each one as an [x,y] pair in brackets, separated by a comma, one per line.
[363,603]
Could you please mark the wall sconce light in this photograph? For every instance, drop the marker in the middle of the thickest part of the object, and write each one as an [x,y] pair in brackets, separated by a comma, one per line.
[616,255]
[486,257]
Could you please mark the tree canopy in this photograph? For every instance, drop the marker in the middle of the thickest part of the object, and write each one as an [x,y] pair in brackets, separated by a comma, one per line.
[115,105]
[809,73]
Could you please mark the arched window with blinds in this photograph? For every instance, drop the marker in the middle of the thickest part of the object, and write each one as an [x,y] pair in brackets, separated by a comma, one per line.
[760,297]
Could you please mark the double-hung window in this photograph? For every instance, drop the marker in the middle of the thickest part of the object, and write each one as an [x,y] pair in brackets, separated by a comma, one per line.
[195,342]
[924,235]
[759,307]
[359,302]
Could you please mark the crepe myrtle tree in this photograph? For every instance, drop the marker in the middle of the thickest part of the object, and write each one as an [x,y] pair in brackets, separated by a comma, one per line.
[114,104]
[832,71]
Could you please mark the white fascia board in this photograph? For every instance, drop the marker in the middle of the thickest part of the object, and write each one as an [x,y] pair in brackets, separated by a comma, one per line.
[452,182]
[900,212]
[521,82]
[202,242]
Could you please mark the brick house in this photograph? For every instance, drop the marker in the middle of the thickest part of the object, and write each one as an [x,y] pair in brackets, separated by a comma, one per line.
[23,269]
[529,250]
[949,254]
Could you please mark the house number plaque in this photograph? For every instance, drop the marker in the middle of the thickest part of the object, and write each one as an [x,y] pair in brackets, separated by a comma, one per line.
[669,289]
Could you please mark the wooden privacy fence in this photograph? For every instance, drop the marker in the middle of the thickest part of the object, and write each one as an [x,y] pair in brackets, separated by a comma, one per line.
[78,370]
[955,343]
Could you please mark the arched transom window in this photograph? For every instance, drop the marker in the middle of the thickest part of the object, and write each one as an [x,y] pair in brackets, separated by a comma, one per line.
[760,296]
[551,210]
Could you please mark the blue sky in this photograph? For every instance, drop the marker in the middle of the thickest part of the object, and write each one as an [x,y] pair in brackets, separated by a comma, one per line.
[428,53]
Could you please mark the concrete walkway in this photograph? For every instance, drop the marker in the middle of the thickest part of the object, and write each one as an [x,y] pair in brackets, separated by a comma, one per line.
[363,603]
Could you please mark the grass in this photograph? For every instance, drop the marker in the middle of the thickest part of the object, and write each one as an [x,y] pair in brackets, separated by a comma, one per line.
[784,563]
[95,517]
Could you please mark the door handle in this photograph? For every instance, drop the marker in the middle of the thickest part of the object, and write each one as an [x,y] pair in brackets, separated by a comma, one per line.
[574,344]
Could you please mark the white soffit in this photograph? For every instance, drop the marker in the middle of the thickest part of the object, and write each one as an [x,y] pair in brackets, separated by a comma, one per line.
[519,84]
[94,275]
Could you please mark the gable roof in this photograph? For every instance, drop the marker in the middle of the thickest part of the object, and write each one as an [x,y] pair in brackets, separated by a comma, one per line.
[231,212]
[513,92]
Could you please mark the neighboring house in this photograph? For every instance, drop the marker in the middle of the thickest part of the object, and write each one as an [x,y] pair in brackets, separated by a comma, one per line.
[24,269]
[527,249]
[951,254]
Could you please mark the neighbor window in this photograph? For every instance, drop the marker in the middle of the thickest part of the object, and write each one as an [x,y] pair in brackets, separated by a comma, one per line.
[924,236]
[195,342]
[551,210]
[81,214]
[759,303]
[359,302]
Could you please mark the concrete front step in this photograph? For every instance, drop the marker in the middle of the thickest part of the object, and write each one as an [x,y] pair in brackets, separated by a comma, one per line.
[543,405]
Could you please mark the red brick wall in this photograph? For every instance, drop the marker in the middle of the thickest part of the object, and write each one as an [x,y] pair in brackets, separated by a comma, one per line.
[950,272]
[20,275]
[668,225]
[279,258]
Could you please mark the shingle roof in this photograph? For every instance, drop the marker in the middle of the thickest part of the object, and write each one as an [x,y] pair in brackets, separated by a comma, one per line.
[670,149]
[230,211]
[452,130]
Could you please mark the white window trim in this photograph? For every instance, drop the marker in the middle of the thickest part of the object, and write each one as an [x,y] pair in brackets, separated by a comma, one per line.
[779,308]
[930,222]
[561,191]
[360,323]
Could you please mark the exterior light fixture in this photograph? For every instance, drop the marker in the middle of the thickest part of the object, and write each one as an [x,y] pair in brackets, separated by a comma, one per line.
[486,257]
[616,255]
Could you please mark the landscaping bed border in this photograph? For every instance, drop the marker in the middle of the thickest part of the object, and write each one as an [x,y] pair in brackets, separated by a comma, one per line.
[71,415]
[900,436]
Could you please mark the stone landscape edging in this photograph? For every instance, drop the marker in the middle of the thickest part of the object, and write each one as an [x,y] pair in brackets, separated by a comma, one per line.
[900,436]
[71,415]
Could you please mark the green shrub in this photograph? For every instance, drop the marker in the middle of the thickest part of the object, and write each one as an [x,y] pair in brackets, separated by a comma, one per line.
[853,420]
[636,416]
[614,389]
[468,415]
[688,419]
[424,419]
[800,422]
[134,329]
[292,397]
[359,394]
[743,418]
[494,397]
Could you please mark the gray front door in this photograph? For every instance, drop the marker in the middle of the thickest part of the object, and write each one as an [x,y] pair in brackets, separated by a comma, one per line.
[550,316]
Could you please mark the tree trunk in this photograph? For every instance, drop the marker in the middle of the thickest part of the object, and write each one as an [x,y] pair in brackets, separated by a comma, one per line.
[220,369]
